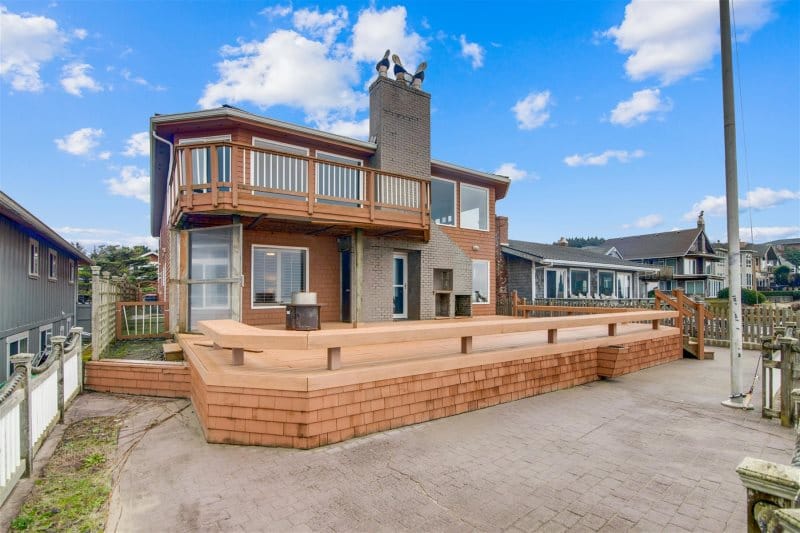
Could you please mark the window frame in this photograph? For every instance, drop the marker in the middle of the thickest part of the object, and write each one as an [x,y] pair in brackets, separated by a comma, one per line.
[47,329]
[455,202]
[72,270]
[588,281]
[461,202]
[52,265]
[488,281]
[11,339]
[253,247]
[613,283]
[34,258]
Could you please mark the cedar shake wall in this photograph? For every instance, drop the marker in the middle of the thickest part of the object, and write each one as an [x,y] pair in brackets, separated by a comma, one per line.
[146,378]
[323,274]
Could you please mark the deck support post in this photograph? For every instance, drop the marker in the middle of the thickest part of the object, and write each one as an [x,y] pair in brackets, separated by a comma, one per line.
[612,330]
[334,358]
[466,344]
[552,336]
[655,324]
[238,356]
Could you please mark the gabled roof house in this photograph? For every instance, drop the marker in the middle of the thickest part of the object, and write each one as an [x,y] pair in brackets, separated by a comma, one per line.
[251,210]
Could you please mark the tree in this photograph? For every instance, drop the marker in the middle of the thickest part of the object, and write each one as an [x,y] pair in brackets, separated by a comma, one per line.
[793,256]
[749,296]
[580,242]
[120,261]
[782,275]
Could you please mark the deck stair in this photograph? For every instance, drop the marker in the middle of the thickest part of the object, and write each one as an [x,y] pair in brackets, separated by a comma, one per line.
[173,351]
[693,331]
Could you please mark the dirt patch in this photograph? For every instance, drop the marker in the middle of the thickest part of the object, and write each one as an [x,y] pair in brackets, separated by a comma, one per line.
[73,492]
[142,350]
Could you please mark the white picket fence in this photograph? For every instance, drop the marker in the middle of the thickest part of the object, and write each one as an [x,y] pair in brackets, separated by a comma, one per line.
[32,402]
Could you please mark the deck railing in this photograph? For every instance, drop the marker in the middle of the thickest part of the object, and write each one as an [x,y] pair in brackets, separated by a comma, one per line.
[239,176]
[32,401]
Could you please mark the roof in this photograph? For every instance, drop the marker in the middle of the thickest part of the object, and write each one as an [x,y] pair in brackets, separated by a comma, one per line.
[159,154]
[569,256]
[656,245]
[780,242]
[13,211]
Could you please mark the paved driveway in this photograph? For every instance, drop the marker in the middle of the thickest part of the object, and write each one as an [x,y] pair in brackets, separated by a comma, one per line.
[650,451]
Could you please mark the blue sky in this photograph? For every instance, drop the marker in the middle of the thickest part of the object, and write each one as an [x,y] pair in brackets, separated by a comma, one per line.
[607,115]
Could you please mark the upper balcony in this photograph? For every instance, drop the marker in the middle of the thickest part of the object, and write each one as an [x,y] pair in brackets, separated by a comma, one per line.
[230,177]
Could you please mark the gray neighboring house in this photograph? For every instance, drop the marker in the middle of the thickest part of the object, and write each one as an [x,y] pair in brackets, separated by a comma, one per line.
[537,271]
[38,283]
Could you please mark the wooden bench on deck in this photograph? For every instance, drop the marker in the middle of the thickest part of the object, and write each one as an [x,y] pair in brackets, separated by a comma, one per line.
[240,338]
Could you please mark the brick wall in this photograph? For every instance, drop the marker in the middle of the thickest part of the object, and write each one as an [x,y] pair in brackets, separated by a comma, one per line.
[306,419]
[163,378]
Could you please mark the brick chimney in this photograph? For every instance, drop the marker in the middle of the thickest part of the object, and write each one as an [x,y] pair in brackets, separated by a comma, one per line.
[400,124]
[563,242]
[501,225]
[701,222]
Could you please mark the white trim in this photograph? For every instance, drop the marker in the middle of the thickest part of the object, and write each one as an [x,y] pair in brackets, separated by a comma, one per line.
[404,257]
[630,285]
[488,281]
[588,280]
[455,201]
[270,141]
[252,273]
[204,140]
[460,207]
[605,266]
[355,161]
[566,282]
[34,273]
[52,254]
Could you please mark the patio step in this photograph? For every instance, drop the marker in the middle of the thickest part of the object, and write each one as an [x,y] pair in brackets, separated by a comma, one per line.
[173,351]
[691,348]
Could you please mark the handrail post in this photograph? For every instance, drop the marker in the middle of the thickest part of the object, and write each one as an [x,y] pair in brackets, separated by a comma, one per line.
[58,351]
[188,176]
[23,361]
[700,322]
[214,174]
[235,178]
[312,183]
[787,360]
[371,194]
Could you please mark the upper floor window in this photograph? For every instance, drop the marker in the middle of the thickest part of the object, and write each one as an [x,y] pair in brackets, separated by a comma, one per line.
[443,201]
[52,265]
[474,207]
[33,258]
[71,271]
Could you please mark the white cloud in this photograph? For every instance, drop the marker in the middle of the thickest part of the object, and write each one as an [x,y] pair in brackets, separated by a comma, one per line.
[377,30]
[648,221]
[137,144]
[640,107]
[510,170]
[138,80]
[104,155]
[623,156]
[80,33]
[472,51]
[768,233]
[92,237]
[133,182]
[710,205]
[276,11]
[532,111]
[671,39]
[75,78]
[325,25]
[764,198]
[80,142]
[27,41]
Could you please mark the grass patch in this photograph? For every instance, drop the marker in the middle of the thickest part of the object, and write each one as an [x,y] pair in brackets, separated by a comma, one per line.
[142,349]
[73,493]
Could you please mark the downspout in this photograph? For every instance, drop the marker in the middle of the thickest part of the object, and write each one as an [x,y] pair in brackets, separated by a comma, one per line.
[169,244]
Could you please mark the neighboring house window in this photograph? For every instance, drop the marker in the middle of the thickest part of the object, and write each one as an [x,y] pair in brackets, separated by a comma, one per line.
[474,207]
[578,282]
[45,334]
[480,282]
[695,287]
[605,282]
[33,258]
[277,273]
[665,285]
[443,202]
[52,265]
[71,271]
[16,344]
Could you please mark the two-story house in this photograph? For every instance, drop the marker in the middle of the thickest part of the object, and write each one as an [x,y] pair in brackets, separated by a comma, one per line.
[38,283]
[250,210]
[685,258]
[748,259]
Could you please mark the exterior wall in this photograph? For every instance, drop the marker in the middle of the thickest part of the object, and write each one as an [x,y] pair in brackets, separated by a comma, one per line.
[323,274]
[165,379]
[439,252]
[307,419]
[27,303]
[519,276]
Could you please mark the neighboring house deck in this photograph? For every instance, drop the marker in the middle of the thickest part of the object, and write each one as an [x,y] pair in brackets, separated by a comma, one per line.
[39,288]
[250,210]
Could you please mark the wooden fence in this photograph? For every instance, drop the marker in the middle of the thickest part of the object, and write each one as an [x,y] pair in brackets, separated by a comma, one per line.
[106,292]
[32,402]
[757,322]
[142,320]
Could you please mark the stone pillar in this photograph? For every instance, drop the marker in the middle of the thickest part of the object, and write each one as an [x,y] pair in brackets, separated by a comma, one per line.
[770,487]
[97,302]
[79,332]
[22,362]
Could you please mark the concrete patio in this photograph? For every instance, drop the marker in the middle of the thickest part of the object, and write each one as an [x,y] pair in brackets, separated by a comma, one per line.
[650,451]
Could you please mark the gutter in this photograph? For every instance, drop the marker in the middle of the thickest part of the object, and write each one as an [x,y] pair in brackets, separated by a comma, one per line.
[556,262]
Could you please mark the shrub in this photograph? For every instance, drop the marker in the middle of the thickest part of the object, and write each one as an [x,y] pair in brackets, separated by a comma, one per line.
[749,296]
[794,294]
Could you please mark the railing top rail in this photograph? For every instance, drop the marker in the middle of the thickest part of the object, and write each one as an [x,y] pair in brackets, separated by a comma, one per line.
[120,304]
[232,334]
[311,159]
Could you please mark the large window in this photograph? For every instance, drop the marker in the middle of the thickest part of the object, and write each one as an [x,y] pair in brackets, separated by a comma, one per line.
[695,288]
[605,283]
[443,202]
[277,273]
[33,258]
[579,282]
[474,207]
[210,274]
[624,285]
[480,282]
